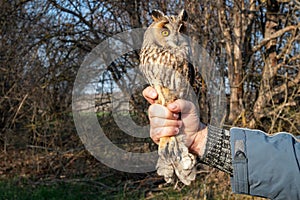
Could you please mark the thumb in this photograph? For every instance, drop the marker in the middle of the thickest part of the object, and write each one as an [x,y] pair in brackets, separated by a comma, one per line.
[189,115]
[183,106]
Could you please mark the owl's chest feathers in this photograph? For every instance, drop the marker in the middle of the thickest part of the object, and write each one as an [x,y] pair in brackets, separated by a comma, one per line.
[174,58]
[159,60]
[167,71]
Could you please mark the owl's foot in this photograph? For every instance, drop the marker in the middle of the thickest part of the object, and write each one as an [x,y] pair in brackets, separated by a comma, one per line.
[174,158]
[163,142]
[165,96]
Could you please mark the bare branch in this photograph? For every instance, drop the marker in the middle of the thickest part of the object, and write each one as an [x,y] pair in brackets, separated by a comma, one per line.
[274,36]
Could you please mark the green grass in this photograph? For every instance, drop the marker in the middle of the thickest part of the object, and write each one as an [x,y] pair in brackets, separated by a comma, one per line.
[65,191]
[73,190]
[81,190]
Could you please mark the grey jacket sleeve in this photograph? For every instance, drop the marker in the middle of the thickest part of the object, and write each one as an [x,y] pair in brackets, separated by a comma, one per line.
[263,165]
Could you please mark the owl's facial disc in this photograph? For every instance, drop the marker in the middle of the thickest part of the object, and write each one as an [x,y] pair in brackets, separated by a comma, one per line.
[167,31]
[172,41]
[172,36]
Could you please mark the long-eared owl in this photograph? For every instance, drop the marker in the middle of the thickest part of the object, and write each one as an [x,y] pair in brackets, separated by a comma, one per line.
[164,61]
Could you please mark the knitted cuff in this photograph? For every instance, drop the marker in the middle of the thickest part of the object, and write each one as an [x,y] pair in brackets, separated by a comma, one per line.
[217,152]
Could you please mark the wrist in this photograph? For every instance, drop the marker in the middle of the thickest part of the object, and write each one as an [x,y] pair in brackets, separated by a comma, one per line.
[217,151]
[199,142]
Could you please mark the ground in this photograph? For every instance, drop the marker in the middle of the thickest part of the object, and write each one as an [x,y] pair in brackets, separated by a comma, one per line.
[30,174]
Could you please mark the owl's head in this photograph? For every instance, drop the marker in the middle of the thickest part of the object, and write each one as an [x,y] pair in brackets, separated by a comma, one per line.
[167,31]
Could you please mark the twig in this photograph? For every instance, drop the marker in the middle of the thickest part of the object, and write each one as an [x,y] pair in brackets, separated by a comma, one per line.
[273,36]
[19,108]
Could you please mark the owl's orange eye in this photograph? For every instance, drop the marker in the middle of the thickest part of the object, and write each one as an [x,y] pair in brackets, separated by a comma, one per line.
[165,33]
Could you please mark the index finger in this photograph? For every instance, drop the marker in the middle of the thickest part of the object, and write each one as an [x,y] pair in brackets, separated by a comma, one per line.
[150,94]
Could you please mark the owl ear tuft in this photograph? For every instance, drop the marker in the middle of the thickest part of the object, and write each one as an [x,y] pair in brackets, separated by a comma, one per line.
[183,15]
[157,15]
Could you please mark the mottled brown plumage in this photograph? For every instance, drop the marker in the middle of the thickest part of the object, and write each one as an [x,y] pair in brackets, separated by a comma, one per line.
[164,61]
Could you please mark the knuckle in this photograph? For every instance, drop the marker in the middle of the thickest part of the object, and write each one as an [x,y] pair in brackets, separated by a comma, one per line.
[151,111]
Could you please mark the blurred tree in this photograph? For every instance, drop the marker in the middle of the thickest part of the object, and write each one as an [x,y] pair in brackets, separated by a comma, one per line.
[255,45]
[277,103]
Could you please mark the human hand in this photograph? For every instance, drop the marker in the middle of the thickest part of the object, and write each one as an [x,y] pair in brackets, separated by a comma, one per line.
[165,122]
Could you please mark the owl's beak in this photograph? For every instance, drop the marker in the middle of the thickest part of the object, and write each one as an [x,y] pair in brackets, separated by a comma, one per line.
[173,40]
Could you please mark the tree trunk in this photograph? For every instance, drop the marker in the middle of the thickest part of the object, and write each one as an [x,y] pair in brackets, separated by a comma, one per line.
[234,45]
[235,70]
[270,68]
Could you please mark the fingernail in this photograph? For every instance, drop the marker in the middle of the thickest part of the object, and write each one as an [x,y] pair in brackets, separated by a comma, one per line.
[152,93]
[176,115]
[176,130]
[172,106]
